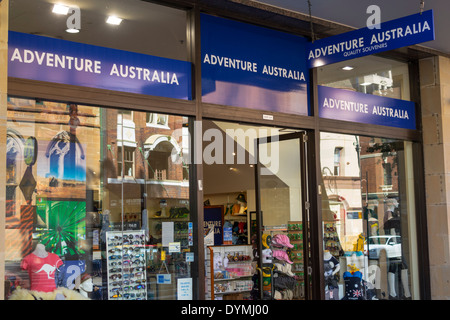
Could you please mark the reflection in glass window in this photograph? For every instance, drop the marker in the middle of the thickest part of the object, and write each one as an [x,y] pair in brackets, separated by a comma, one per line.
[368,218]
[156,30]
[128,161]
[157,119]
[337,160]
[73,225]
[371,74]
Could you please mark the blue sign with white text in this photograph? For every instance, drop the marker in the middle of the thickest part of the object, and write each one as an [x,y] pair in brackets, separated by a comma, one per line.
[253,67]
[394,34]
[61,61]
[360,107]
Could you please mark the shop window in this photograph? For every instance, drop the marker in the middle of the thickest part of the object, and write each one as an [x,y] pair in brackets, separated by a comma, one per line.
[145,27]
[371,75]
[369,252]
[67,204]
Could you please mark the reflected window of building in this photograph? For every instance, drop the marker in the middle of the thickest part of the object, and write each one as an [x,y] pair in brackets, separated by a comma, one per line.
[157,120]
[337,161]
[128,161]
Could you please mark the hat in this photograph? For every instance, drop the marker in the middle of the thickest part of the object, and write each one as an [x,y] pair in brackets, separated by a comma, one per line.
[281,255]
[281,240]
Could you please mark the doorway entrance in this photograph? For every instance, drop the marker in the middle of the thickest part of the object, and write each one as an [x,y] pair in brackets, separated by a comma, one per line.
[255,204]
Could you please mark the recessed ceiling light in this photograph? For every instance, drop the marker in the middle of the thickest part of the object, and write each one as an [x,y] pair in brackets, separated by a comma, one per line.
[72,30]
[60,9]
[347,68]
[114,20]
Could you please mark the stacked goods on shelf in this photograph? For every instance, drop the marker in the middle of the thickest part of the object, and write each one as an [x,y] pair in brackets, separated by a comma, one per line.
[295,235]
[230,271]
[331,239]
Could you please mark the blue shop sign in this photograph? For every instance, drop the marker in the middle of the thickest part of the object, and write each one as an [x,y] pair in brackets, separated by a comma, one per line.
[61,61]
[253,67]
[394,34]
[359,107]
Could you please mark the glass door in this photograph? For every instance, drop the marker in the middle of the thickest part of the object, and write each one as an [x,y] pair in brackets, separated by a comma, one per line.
[280,217]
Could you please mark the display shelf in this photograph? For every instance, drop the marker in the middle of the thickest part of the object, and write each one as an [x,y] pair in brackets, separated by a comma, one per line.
[126,265]
[229,270]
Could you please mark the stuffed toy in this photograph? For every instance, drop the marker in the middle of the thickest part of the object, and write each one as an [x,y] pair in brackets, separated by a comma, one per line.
[60,293]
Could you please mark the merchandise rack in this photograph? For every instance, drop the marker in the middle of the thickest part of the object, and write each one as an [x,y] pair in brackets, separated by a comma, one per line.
[234,278]
[126,265]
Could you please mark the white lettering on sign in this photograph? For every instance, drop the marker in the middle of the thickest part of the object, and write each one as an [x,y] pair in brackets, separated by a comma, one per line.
[352,106]
[345,105]
[399,32]
[331,49]
[139,73]
[378,40]
[230,63]
[54,60]
[249,66]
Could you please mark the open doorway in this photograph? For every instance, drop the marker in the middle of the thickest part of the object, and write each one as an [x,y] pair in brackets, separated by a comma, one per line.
[254,213]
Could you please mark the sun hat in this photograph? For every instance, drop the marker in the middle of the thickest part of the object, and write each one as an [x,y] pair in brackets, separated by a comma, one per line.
[281,240]
[281,255]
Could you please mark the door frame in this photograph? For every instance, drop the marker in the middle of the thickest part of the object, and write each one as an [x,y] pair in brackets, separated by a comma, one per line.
[305,208]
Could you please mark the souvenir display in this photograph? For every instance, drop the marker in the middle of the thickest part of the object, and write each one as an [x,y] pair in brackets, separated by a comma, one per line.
[126,265]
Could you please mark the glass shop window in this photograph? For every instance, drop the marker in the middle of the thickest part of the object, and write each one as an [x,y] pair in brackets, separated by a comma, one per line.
[372,75]
[74,227]
[368,219]
[129,25]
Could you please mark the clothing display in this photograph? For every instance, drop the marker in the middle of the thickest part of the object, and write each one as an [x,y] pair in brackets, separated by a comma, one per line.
[331,268]
[41,271]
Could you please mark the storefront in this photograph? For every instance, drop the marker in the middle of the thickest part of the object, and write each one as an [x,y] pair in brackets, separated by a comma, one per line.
[202,159]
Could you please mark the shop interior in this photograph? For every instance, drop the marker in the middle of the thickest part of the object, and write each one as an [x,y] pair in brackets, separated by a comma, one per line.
[230,213]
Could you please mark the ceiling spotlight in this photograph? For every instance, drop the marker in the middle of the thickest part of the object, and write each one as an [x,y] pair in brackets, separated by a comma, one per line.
[347,68]
[60,9]
[114,20]
[72,30]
